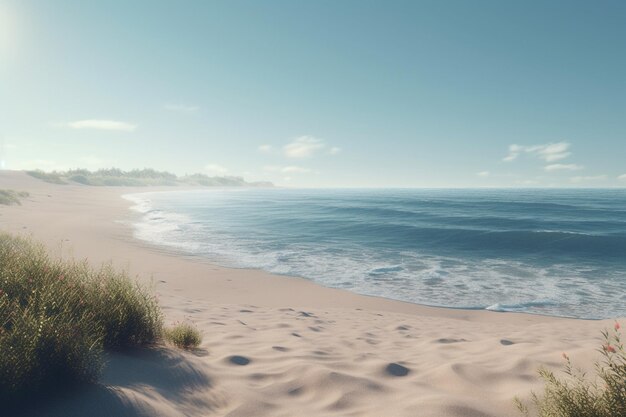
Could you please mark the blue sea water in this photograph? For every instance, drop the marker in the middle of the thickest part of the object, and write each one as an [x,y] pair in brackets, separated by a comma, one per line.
[556,252]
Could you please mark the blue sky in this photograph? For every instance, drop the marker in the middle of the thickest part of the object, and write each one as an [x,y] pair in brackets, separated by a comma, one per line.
[320,93]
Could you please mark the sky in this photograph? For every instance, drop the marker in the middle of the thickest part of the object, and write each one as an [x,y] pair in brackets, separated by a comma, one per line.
[320,93]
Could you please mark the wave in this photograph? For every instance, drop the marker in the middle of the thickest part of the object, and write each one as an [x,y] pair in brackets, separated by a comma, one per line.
[385,247]
[385,270]
[521,242]
[521,307]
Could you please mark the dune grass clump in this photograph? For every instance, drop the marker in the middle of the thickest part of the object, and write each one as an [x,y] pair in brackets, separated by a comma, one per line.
[11,197]
[576,396]
[56,318]
[128,312]
[184,336]
[51,177]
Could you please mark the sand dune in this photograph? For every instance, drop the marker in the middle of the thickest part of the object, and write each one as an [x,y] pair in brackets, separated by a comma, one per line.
[277,346]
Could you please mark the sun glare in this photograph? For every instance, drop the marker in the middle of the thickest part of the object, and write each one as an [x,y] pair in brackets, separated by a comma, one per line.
[7,30]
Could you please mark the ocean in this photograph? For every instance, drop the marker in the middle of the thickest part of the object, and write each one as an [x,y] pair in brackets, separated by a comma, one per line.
[557,252]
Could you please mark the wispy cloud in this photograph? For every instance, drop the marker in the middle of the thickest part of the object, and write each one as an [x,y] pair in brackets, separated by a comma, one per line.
[181,108]
[291,169]
[590,178]
[100,124]
[622,177]
[563,167]
[549,152]
[514,151]
[265,148]
[303,147]
[483,174]
[334,150]
[215,169]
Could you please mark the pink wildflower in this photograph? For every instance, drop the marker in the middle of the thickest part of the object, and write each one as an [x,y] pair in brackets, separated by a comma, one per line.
[617,326]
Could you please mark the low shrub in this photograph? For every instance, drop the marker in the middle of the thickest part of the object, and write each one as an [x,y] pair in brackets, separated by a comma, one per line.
[10,197]
[51,177]
[115,177]
[576,396]
[57,317]
[129,313]
[184,336]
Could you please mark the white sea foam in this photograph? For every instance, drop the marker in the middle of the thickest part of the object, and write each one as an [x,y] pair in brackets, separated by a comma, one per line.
[227,229]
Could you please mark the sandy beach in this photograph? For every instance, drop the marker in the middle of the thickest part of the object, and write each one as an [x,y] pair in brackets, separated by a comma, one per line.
[282,346]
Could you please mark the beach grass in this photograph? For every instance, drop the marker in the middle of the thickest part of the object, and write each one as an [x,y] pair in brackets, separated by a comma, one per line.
[57,318]
[183,335]
[575,395]
[12,197]
[51,177]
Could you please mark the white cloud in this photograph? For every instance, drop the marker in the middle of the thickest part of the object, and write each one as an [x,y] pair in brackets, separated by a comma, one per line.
[303,147]
[552,151]
[483,173]
[182,108]
[334,150]
[265,148]
[101,125]
[622,177]
[563,167]
[549,152]
[514,151]
[292,169]
[215,169]
[588,178]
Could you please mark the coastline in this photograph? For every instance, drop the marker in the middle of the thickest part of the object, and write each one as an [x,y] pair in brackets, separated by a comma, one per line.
[461,362]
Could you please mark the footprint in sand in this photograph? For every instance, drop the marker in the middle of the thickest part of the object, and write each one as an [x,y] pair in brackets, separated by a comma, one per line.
[446,340]
[395,369]
[280,348]
[239,360]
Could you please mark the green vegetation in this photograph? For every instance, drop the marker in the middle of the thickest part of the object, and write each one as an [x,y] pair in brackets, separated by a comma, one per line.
[10,197]
[183,335]
[138,178]
[51,177]
[56,318]
[117,177]
[575,396]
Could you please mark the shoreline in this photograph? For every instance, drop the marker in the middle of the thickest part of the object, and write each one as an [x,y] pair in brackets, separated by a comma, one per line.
[171,251]
[174,251]
[313,350]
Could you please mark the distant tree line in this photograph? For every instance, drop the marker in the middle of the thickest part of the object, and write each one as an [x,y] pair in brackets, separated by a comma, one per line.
[140,177]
